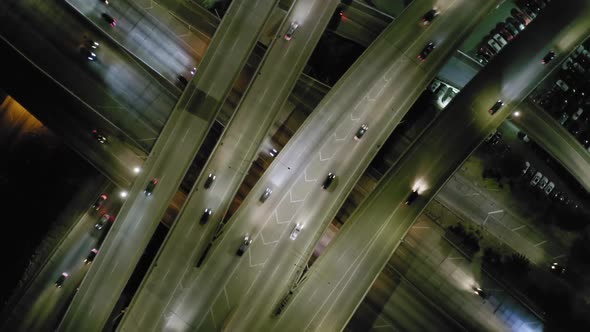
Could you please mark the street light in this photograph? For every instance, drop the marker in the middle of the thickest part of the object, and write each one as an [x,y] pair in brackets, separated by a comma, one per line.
[136,170]
[123,194]
[516,113]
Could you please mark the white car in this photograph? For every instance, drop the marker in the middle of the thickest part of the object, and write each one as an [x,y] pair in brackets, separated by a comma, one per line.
[536,178]
[579,112]
[497,37]
[549,188]
[543,182]
[494,45]
[295,232]
[561,84]
[292,28]
[527,165]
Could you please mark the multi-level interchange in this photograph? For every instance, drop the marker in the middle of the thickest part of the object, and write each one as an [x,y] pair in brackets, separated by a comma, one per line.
[292,196]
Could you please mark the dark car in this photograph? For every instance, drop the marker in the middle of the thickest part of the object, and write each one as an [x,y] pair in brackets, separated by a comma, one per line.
[102,221]
[149,189]
[265,195]
[362,130]
[497,106]
[412,196]
[109,19]
[89,43]
[548,57]
[97,136]
[59,282]
[87,53]
[426,51]
[99,202]
[205,217]
[480,292]
[291,31]
[328,181]
[182,81]
[210,179]
[91,256]
[557,269]
[429,16]
[244,246]
[106,2]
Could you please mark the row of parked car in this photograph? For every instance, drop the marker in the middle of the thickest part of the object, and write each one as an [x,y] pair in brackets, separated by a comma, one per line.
[505,31]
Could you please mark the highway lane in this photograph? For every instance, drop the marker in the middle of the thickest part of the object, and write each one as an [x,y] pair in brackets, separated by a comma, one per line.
[169,160]
[114,85]
[556,140]
[366,93]
[141,34]
[341,276]
[229,162]
[39,306]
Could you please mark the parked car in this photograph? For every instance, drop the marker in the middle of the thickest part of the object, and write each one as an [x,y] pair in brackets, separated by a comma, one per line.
[265,195]
[205,217]
[544,181]
[526,167]
[426,51]
[536,178]
[563,118]
[494,45]
[244,246]
[524,137]
[91,256]
[295,232]
[60,280]
[549,188]
[291,30]
[498,38]
[577,114]
[149,189]
[328,181]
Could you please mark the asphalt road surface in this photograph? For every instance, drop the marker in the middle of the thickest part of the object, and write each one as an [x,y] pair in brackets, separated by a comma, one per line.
[340,278]
[229,162]
[168,162]
[372,87]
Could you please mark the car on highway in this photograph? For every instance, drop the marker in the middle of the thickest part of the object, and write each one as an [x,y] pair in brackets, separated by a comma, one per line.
[265,195]
[98,136]
[291,30]
[149,189]
[549,188]
[102,221]
[205,217]
[496,107]
[295,232]
[536,178]
[91,256]
[557,269]
[362,130]
[109,19]
[412,197]
[426,51]
[273,152]
[99,202]
[182,81]
[60,280]
[544,181]
[244,246]
[548,57]
[90,43]
[87,53]
[429,16]
[210,179]
[106,2]
[480,292]
[328,181]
